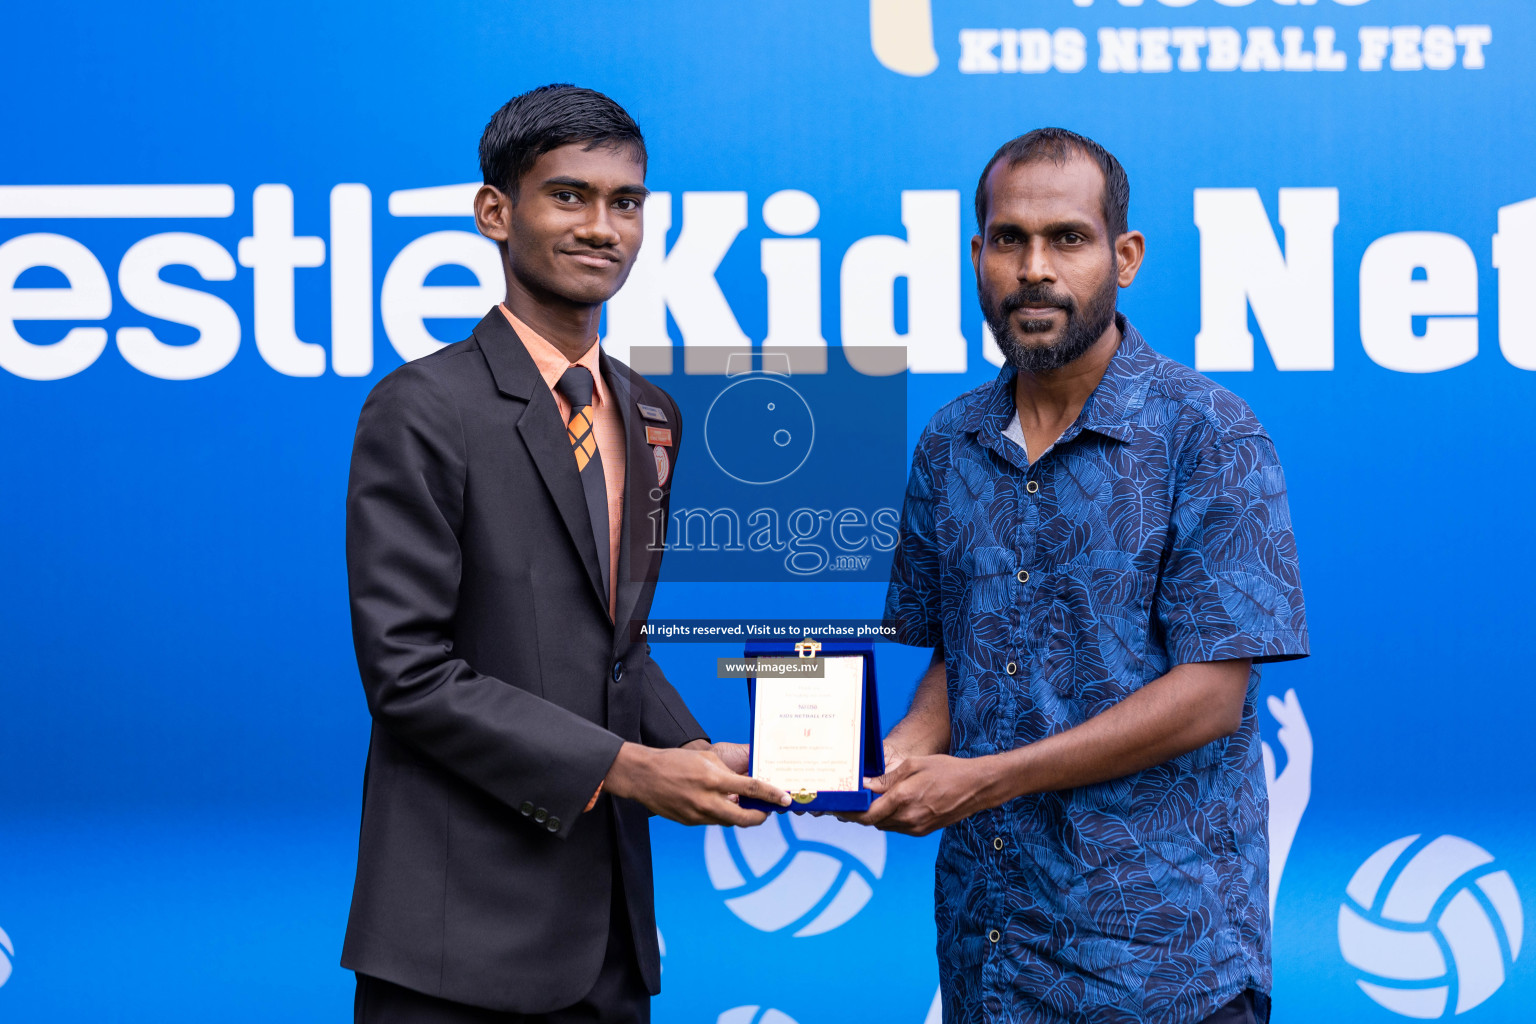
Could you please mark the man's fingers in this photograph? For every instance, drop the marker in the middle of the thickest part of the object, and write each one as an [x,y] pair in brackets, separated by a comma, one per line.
[893,775]
[879,811]
[735,756]
[730,814]
[900,822]
[745,785]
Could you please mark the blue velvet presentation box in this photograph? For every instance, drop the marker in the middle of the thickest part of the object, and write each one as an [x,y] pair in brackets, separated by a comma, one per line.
[871,749]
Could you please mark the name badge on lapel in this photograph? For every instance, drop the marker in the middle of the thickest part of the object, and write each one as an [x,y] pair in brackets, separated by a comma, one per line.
[652,413]
[658,435]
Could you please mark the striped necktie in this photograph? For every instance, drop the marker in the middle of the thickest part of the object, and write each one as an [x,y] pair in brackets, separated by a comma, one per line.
[575,386]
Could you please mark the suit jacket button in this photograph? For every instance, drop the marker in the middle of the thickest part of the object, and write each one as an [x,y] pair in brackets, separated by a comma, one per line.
[540,814]
[618,671]
[527,808]
[553,824]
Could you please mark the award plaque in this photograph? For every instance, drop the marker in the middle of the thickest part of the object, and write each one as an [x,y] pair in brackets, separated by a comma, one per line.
[817,736]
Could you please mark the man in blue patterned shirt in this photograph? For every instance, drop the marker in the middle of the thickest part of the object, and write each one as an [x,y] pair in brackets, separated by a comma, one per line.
[1097,546]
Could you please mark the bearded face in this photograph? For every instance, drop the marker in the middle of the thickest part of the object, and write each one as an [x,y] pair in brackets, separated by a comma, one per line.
[1047,268]
[1036,344]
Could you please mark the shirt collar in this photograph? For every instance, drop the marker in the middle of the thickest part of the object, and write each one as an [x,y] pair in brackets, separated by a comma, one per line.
[552,363]
[1116,399]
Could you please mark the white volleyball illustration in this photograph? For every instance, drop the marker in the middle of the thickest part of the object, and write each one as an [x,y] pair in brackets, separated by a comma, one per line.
[1410,904]
[796,871]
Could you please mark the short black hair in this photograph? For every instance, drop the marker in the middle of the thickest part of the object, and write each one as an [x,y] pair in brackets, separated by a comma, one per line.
[1058,146]
[542,119]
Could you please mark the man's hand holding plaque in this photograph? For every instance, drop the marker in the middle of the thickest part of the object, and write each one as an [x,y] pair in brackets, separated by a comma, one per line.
[692,785]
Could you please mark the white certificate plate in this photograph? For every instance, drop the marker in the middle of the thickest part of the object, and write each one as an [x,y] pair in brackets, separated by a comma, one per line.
[806,732]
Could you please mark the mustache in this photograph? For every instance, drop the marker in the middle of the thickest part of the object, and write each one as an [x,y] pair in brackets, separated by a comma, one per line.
[1035,296]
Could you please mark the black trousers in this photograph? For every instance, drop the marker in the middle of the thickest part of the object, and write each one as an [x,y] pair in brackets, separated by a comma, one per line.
[618,997]
[1248,1007]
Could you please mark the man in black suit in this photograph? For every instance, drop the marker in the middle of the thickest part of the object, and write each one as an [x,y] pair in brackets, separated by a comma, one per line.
[496,563]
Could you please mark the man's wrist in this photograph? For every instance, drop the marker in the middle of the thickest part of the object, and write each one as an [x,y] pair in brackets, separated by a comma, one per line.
[1003,777]
[622,774]
[910,743]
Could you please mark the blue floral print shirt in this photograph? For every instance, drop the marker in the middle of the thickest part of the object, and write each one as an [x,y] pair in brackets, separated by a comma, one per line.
[1155,532]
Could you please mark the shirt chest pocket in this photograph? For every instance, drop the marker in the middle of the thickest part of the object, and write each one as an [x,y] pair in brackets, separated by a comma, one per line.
[1093,506]
[1098,624]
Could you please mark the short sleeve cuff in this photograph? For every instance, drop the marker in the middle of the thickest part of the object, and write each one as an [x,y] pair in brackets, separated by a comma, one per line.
[1191,645]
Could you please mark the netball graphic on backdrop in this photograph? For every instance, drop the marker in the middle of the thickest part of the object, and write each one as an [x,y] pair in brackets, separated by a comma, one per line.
[754,1015]
[795,871]
[1432,925]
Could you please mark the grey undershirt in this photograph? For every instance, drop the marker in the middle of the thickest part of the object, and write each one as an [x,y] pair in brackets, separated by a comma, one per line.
[1014,432]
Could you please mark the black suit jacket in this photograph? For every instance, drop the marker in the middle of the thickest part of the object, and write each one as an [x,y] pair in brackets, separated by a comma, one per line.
[500,689]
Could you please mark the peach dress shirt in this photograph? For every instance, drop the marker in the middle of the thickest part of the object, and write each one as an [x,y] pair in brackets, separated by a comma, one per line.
[607,424]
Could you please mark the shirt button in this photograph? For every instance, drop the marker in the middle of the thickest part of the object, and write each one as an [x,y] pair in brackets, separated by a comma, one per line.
[553,824]
[997,844]
[618,671]
[1033,486]
[540,814]
[1023,576]
[994,935]
[1013,668]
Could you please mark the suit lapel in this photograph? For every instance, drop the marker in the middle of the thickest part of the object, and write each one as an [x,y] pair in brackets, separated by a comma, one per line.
[637,560]
[517,376]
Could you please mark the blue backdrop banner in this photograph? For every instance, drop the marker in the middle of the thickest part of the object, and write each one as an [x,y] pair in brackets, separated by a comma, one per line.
[220,225]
